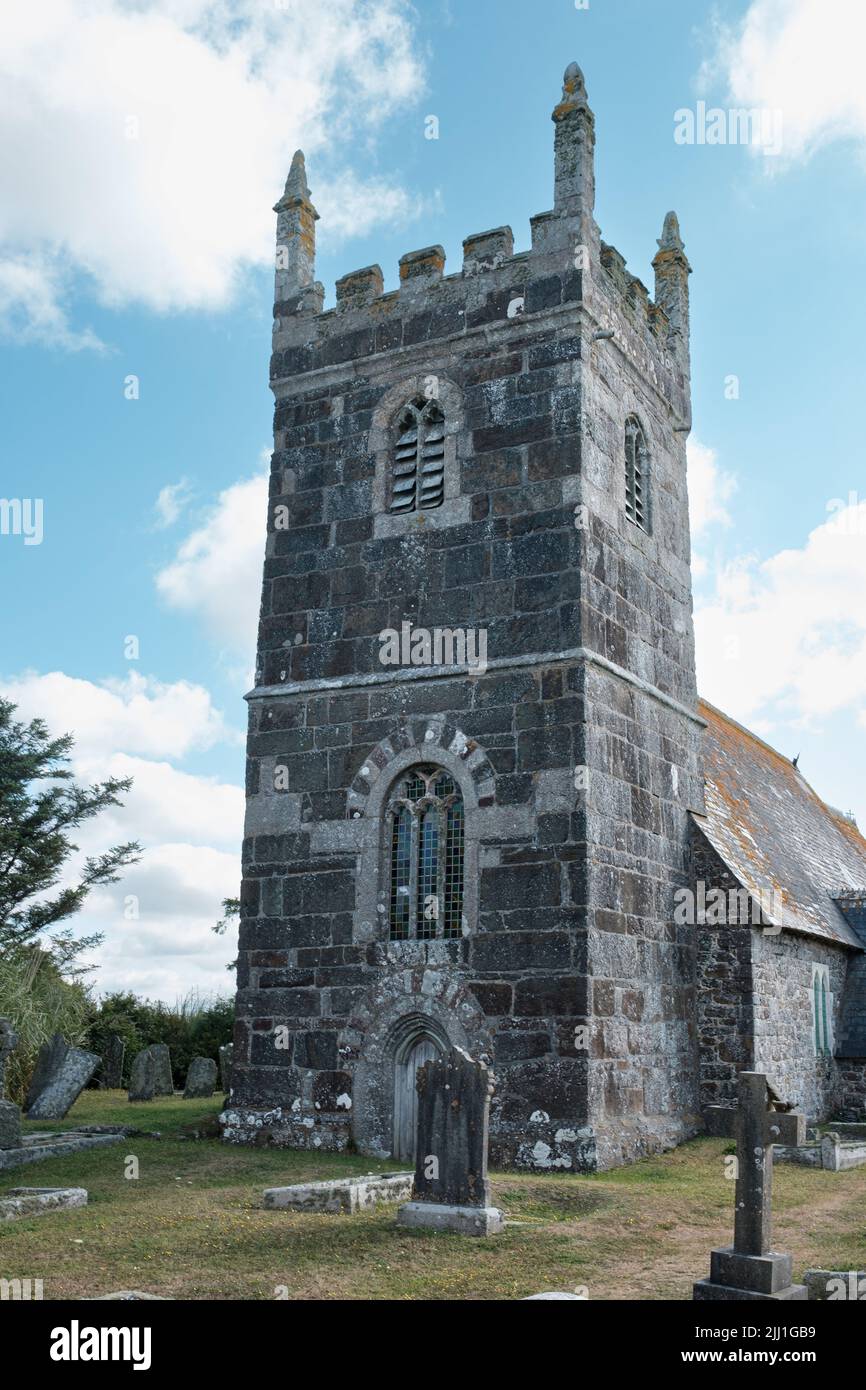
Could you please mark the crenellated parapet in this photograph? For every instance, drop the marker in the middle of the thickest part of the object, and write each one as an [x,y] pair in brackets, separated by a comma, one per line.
[568,270]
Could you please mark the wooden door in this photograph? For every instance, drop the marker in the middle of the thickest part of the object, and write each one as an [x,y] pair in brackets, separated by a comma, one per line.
[422,1050]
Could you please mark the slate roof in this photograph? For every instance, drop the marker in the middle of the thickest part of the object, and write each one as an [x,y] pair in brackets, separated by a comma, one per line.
[776,834]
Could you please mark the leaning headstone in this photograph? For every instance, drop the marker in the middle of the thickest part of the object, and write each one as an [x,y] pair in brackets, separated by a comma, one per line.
[142,1078]
[50,1058]
[226,1055]
[72,1071]
[163,1079]
[451,1191]
[200,1079]
[750,1269]
[112,1063]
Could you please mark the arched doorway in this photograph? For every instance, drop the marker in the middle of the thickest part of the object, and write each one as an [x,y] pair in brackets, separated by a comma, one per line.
[417,1044]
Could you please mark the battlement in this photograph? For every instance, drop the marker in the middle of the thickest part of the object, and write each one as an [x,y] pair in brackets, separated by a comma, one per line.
[567,270]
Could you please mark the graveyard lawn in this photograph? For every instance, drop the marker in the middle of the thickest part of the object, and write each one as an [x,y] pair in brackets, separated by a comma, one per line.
[191,1225]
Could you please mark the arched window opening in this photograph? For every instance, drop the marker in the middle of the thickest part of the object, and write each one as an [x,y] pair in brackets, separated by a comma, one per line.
[425,835]
[636,474]
[418,459]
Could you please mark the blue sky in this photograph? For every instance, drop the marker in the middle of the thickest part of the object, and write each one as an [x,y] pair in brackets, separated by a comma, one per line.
[146,144]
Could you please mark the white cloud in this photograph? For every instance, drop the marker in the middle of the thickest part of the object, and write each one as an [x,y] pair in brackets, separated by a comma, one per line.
[171,501]
[31,304]
[190,827]
[805,59]
[710,489]
[145,144]
[137,715]
[217,571]
[787,636]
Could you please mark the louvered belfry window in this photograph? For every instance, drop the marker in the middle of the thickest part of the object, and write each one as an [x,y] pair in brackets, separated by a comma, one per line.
[636,471]
[418,467]
[425,838]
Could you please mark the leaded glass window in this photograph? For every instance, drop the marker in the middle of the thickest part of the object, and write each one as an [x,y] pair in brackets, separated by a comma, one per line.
[425,838]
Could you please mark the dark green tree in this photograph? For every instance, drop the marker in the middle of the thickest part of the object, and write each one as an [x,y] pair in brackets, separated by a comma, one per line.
[41,806]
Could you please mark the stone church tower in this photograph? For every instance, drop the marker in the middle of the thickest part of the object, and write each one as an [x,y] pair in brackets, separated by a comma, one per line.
[473,742]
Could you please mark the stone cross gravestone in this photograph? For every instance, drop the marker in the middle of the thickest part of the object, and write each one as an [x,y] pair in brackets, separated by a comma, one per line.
[62,1074]
[750,1269]
[112,1063]
[10,1114]
[200,1079]
[451,1190]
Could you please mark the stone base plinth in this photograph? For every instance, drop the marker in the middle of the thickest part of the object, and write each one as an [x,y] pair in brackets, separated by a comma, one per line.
[735,1276]
[466,1221]
[34,1201]
[707,1292]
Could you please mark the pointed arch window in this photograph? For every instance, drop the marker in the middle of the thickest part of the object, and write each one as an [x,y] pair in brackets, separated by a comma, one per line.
[636,474]
[418,457]
[822,1010]
[425,839]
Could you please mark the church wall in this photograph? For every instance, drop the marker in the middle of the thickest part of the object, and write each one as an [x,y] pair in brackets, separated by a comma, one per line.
[784,1046]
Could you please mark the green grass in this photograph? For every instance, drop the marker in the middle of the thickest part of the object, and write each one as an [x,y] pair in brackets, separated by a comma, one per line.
[191,1224]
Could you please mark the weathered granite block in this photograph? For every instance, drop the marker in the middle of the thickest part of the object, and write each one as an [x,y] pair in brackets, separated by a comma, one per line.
[142,1080]
[463,1220]
[35,1201]
[163,1079]
[200,1079]
[70,1072]
[842,1286]
[342,1195]
[226,1054]
[10,1125]
[112,1063]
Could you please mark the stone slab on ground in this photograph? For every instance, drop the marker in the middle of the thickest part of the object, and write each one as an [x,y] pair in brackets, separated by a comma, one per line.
[71,1069]
[128,1296]
[834,1285]
[550,1297]
[34,1201]
[832,1152]
[200,1079]
[36,1147]
[341,1195]
[437,1216]
[10,1125]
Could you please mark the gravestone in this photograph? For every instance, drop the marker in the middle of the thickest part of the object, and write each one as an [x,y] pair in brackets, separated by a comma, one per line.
[200,1079]
[64,1075]
[10,1115]
[50,1056]
[8,1043]
[142,1077]
[163,1079]
[750,1269]
[112,1063]
[451,1191]
[226,1055]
